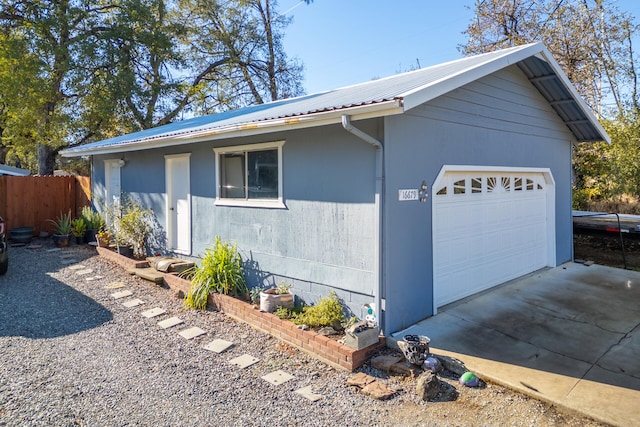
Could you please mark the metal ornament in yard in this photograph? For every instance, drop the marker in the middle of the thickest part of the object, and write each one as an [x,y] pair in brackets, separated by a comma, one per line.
[416,348]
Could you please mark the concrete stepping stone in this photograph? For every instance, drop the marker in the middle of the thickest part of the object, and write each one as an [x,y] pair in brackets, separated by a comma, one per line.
[114,285]
[122,294]
[244,361]
[277,377]
[77,267]
[154,312]
[191,333]
[34,247]
[66,256]
[68,261]
[150,274]
[308,393]
[83,272]
[133,303]
[94,278]
[218,345]
[53,250]
[170,322]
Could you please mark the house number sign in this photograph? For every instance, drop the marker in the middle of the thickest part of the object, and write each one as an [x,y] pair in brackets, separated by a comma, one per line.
[408,195]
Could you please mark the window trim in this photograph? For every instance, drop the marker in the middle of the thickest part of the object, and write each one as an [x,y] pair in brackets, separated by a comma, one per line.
[256,203]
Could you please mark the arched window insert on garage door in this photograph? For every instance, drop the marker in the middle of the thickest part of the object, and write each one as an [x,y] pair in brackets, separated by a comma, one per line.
[490,184]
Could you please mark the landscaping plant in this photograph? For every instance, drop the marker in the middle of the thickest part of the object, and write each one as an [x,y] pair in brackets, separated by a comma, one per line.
[219,270]
[62,225]
[326,312]
[93,220]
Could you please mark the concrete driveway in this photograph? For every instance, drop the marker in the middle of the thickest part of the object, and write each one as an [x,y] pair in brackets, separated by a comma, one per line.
[568,335]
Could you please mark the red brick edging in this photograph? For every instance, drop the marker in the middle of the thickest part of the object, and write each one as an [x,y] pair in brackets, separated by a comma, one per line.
[318,346]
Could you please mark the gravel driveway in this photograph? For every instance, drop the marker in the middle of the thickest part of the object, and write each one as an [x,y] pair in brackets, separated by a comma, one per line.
[71,354]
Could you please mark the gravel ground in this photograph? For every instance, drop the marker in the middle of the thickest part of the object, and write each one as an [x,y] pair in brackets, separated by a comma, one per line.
[70,354]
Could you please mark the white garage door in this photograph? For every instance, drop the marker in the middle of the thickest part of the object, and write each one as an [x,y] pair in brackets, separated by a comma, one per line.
[489,226]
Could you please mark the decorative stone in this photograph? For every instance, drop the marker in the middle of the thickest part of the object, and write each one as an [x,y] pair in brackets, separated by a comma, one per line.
[452,365]
[326,331]
[385,362]
[378,391]
[360,380]
[428,386]
[469,379]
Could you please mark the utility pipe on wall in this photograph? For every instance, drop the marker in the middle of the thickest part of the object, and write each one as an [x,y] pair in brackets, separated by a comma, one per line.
[346,124]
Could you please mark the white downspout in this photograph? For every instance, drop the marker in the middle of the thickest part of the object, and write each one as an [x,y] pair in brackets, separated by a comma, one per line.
[346,124]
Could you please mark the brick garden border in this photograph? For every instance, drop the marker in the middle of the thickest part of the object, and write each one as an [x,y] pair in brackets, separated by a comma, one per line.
[318,346]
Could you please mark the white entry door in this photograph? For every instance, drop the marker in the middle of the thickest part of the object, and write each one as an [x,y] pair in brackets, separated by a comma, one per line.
[178,186]
[489,226]
[113,186]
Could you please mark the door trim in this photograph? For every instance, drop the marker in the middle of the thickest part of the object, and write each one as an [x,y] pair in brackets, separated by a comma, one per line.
[172,237]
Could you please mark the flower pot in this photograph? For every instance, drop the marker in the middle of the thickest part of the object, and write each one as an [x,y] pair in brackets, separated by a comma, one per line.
[125,251]
[61,240]
[91,235]
[269,300]
[79,240]
[21,234]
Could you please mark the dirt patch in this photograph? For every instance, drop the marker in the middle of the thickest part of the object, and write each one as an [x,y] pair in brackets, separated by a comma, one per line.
[605,249]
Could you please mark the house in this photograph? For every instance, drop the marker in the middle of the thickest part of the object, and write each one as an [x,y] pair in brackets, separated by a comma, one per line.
[411,191]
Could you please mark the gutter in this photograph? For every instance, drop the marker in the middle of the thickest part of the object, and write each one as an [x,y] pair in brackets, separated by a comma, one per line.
[379,301]
[243,129]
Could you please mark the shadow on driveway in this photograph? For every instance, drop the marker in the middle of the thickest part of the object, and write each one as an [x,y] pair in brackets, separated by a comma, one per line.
[35,305]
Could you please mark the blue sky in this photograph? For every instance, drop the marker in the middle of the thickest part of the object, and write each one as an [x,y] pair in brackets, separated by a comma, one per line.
[344,42]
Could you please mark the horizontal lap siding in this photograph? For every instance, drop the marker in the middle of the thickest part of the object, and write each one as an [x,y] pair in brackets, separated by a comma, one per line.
[499,120]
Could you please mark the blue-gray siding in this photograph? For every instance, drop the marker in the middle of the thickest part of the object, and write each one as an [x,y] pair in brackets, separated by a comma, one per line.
[325,237]
[500,120]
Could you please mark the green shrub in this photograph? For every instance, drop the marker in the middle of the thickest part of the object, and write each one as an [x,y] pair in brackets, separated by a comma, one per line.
[94,220]
[282,313]
[220,270]
[326,312]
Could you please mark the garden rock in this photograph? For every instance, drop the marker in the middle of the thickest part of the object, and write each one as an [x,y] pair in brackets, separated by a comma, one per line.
[452,365]
[385,362]
[428,386]
[326,331]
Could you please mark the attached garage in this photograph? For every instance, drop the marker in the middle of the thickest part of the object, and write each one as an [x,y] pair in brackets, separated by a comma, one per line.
[490,225]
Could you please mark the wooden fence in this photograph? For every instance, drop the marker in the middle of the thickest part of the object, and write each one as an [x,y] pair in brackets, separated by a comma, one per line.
[28,201]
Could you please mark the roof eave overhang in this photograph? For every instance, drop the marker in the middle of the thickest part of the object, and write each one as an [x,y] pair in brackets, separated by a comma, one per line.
[361,112]
[438,88]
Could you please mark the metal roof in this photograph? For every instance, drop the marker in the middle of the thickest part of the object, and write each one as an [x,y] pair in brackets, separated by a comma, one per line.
[376,98]
[13,171]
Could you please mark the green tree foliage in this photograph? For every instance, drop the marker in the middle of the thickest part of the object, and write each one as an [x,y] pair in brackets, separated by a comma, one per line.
[592,40]
[109,67]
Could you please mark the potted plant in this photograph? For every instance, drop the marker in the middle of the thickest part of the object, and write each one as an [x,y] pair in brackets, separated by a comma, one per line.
[94,222]
[78,229]
[132,227]
[280,296]
[103,238]
[62,229]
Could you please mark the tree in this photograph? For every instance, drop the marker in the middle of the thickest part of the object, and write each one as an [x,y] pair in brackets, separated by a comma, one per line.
[55,31]
[590,39]
[112,66]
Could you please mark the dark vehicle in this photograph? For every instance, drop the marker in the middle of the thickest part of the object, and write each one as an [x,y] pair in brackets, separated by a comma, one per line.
[4,256]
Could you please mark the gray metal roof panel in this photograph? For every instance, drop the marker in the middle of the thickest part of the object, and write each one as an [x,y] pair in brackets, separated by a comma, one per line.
[363,94]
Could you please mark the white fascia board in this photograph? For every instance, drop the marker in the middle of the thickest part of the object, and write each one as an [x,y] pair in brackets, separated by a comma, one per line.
[249,129]
[546,56]
[439,87]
